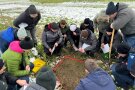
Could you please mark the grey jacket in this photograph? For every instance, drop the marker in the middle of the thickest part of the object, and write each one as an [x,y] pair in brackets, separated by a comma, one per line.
[101,21]
[33,86]
[50,37]
[91,40]
[125,20]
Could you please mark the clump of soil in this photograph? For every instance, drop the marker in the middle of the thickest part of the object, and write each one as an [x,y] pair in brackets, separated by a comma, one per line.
[69,73]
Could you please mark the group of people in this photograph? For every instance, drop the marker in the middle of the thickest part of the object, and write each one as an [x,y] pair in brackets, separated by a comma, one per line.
[17,42]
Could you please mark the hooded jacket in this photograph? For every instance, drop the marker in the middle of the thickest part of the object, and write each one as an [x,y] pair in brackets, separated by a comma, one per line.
[48,36]
[7,36]
[25,18]
[125,19]
[13,59]
[91,40]
[97,80]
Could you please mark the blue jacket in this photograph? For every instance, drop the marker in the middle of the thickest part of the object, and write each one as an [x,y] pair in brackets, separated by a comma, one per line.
[97,80]
[7,36]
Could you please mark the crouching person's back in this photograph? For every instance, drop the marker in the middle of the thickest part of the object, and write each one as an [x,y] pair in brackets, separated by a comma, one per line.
[97,79]
[45,80]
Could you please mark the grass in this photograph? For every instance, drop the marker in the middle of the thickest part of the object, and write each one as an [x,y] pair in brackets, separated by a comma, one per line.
[60,1]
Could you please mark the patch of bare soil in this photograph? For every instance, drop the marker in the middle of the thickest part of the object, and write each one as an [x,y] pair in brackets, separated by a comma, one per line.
[69,73]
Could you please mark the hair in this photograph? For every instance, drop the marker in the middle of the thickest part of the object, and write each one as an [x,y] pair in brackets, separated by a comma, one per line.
[91,65]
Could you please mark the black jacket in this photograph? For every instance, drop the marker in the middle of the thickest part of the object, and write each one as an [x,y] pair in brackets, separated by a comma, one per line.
[25,18]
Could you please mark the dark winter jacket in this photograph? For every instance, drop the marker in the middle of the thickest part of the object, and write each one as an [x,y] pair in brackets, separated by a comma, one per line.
[64,30]
[8,78]
[91,40]
[97,80]
[25,18]
[48,36]
[125,20]
[71,36]
[7,36]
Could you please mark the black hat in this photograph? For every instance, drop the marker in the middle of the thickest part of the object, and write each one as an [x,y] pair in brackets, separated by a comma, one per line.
[86,21]
[123,48]
[111,8]
[27,43]
[46,78]
[54,26]
[1,63]
[109,29]
[32,9]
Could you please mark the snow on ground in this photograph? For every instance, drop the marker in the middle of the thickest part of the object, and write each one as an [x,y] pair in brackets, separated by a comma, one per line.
[76,11]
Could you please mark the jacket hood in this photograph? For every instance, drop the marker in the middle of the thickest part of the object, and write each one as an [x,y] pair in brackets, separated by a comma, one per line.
[122,6]
[99,77]
[15,46]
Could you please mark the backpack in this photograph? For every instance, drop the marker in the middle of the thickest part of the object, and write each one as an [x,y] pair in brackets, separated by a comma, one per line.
[131,62]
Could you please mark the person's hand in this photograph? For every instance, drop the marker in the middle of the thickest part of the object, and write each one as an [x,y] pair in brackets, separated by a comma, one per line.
[27,68]
[21,82]
[102,45]
[56,44]
[83,51]
[65,35]
[75,48]
[50,50]
[80,49]
[2,70]
[111,26]
[74,33]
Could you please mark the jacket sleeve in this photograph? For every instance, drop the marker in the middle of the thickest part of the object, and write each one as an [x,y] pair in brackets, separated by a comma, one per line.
[10,79]
[60,35]
[18,20]
[121,20]
[39,17]
[80,43]
[78,32]
[94,43]
[25,54]
[44,39]
[103,38]
[70,37]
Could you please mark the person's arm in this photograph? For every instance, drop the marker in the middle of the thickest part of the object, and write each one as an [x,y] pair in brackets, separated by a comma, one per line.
[44,39]
[19,20]
[94,43]
[121,20]
[60,37]
[14,80]
[39,17]
[70,38]
[25,55]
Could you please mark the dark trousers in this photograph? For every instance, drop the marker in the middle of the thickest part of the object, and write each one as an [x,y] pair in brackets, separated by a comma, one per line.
[99,40]
[56,51]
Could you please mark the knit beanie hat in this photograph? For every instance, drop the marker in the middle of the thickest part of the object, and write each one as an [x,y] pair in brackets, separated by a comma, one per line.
[84,34]
[86,21]
[109,29]
[54,26]
[123,48]
[63,22]
[21,33]
[46,78]
[27,43]
[32,9]
[3,85]
[91,65]
[111,8]
[1,63]
[73,27]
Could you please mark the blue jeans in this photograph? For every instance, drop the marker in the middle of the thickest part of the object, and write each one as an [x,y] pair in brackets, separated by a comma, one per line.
[130,41]
[122,80]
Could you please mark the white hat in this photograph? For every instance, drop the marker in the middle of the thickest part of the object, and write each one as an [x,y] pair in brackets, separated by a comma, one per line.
[21,33]
[73,27]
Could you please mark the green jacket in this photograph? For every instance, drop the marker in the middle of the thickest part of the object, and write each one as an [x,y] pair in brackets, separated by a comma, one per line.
[13,60]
